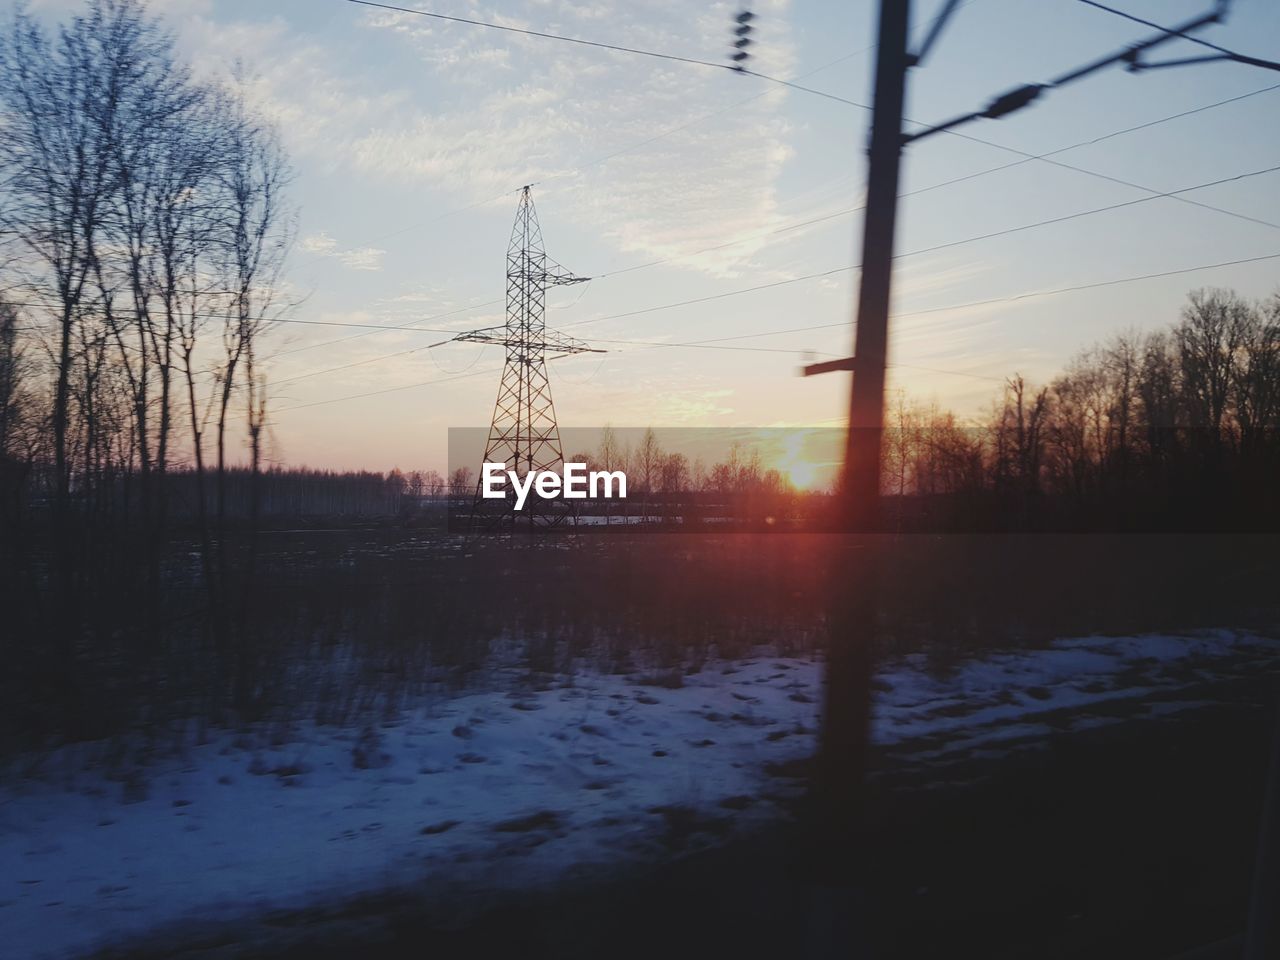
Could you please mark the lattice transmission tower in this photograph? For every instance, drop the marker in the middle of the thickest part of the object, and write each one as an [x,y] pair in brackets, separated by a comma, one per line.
[523,433]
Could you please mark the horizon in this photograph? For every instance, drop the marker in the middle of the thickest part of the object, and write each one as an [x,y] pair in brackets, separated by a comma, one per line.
[405,205]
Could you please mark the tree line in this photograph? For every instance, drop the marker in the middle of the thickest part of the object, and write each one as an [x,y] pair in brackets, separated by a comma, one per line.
[1178,428]
[1173,429]
[144,222]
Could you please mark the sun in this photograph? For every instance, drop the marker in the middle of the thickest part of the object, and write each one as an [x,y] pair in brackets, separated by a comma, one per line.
[802,475]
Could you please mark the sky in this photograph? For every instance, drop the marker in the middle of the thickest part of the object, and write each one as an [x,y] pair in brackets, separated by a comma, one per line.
[411,137]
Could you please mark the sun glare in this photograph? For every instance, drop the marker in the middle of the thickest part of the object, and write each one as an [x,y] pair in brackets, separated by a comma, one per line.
[802,475]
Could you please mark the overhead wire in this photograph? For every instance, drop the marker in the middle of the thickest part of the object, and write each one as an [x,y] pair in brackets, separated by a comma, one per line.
[1014,298]
[1200,41]
[712,342]
[930,249]
[1027,157]
[377,393]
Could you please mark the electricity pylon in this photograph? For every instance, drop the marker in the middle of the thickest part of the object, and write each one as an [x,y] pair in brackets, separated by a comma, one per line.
[523,434]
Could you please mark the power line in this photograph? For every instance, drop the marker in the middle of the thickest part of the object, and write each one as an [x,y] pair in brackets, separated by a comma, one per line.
[1088,142]
[959,306]
[1021,97]
[1174,116]
[600,159]
[928,128]
[717,296]
[1226,53]
[811,276]
[617,48]
[990,301]
[545,36]
[1086,213]
[842,324]
[696,120]
[1094,285]
[1045,157]
[931,249]
[590,163]
[438,316]
[796,86]
[372,327]
[348,366]
[696,345]
[375,393]
[950,373]
[1026,158]
[358,326]
[715,345]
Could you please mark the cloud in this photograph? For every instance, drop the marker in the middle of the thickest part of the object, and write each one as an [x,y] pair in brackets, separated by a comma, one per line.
[323,245]
[320,243]
[661,158]
[694,406]
[366,258]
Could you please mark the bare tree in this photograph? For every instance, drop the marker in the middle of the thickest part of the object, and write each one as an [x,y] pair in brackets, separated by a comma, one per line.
[461,482]
[61,100]
[1018,434]
[1213,326]
[15,401]
[1122,359]
[144,208]
[1255,386]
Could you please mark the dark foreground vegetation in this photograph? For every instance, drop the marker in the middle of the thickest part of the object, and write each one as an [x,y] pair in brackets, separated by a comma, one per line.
[342,622]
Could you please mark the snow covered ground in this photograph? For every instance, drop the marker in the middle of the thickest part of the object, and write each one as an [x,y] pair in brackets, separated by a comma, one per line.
[500,788]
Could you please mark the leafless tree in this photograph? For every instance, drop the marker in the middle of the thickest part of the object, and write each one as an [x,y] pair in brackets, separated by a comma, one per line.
[1214,324]
[141,209]
[461,482]
[1019,439]
[1255,386]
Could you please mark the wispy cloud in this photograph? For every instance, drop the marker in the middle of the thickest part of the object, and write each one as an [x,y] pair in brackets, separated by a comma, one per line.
[504,110]
[323,245]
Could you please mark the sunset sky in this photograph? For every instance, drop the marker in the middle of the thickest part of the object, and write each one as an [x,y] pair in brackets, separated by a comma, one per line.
[411,137]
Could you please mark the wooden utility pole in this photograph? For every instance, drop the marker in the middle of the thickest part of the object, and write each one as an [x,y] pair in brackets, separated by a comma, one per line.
[866,405]
[847,702]
[838,920]
[846,718]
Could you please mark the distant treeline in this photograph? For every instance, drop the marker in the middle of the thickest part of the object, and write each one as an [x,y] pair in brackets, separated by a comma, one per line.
[1177,429]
